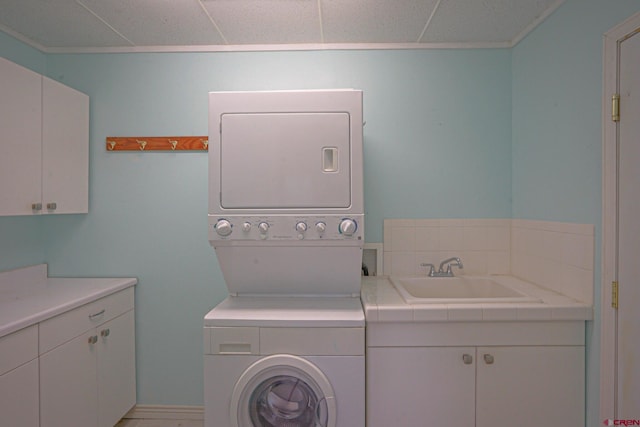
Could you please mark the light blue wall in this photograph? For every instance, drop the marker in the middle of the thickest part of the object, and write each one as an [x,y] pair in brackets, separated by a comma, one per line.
[557,133]
[437,144]
[20,53]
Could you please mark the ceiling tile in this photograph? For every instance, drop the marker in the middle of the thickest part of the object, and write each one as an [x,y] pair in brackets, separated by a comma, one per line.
[266,21]
[59,23]
[375,21]
[96,24]
[158,22]
[483,20]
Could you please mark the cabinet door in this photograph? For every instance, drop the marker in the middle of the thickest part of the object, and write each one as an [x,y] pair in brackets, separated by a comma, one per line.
[421,386]
[20,138]
[68,384]
[65,149]
[530,386]
[19,396]
[116,369]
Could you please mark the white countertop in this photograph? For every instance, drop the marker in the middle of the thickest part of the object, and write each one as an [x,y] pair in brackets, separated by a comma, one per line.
[383,303]
[28,296]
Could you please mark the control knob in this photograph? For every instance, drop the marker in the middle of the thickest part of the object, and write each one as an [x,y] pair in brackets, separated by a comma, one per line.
[321,227]
[347,227]
[246,227]
[223,227]
[263,227]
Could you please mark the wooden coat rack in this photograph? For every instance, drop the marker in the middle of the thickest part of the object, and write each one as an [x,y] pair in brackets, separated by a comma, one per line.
[158,143]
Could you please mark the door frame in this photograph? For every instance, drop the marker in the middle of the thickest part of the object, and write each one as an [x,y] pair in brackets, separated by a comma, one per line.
[608,314]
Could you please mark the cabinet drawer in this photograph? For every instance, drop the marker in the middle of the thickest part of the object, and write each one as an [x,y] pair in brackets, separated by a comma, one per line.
[18,348]
[69,325]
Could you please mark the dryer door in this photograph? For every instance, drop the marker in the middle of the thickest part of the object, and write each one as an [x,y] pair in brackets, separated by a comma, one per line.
[285,160]
[283,391]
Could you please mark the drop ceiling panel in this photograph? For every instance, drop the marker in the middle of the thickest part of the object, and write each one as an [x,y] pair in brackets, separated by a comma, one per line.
[483,20]
[60,23]
[266,21]
[375,21]
[158,22]
[85,25]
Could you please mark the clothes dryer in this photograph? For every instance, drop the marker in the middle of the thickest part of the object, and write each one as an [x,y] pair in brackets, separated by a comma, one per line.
[286,209]
[285,362]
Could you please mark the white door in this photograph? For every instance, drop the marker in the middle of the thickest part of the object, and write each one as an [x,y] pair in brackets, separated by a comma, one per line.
[21,139]
[421,386]
[65,149]
[530,386]
[69,383]
[116,369]
[628,267]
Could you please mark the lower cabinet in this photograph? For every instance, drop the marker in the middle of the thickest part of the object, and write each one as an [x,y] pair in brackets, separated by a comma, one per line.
[89,380]
[19,391]
[530,386]
[482,386]
[420,387]
[19,378]
[69,384]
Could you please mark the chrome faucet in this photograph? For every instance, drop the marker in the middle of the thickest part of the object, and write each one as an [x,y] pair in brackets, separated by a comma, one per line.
[441,272]
[449,262]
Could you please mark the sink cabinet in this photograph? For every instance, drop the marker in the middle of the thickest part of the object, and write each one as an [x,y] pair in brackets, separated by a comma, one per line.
[439,389]
[44,168]
[528,375]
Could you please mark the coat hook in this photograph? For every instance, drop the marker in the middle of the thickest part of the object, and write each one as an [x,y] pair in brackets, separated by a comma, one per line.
[142,144]
[173,144]
[111,145]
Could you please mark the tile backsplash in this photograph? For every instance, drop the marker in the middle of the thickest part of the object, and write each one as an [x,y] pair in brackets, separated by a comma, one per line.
[557,256]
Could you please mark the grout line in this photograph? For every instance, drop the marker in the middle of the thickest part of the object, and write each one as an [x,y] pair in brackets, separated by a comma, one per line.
[104,22]
[433,12]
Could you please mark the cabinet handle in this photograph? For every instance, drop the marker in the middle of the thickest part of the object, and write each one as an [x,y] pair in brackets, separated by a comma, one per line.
[93,316]
[105,332]
[467,359]
[93,339]
[488,359]
[52,206]
[36,206]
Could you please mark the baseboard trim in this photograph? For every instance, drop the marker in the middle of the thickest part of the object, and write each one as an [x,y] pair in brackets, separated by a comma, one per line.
[166,412]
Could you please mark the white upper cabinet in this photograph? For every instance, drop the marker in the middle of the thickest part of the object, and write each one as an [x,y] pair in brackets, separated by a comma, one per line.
[65,149]
[44,166]
[21,138]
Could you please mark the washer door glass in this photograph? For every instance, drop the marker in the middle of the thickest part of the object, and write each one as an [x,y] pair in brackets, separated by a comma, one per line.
[283,391]
[287,401]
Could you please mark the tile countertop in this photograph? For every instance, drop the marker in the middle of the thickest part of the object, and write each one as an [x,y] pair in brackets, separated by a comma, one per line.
[28,296]
[383,303]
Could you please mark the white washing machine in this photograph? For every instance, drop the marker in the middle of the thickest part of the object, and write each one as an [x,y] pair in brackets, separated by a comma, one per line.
[285,362]
[286,219]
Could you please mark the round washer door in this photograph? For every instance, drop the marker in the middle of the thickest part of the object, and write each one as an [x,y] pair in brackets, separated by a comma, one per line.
[283,391]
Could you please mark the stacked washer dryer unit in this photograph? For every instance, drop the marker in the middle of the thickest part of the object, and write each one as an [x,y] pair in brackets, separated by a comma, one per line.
[286,348]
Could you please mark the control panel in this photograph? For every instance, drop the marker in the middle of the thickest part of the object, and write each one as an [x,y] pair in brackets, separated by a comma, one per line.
[247,228]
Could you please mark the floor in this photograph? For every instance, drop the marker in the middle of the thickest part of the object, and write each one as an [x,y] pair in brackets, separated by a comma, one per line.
[159,423]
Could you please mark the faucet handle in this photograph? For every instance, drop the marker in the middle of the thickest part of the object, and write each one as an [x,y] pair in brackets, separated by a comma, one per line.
[432,268]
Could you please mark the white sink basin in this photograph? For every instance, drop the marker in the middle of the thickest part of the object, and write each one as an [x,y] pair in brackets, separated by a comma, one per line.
[450,290]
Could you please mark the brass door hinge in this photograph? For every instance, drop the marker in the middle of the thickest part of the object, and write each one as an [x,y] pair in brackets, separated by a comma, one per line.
[615,107]
[614,294]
